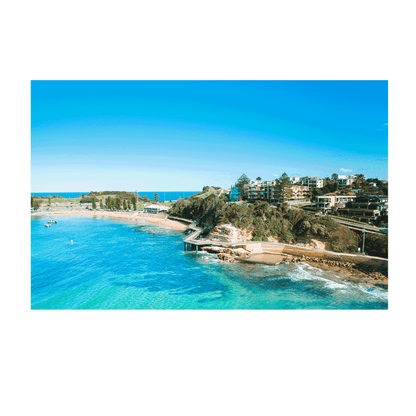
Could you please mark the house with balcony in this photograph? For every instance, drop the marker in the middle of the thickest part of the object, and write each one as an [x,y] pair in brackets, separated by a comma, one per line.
[328,201]
[345,180]
[312,182]
[268,191]
[294,179]
[368,208]
[299,192]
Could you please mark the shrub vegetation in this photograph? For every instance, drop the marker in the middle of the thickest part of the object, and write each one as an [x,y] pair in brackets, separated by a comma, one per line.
[265,220]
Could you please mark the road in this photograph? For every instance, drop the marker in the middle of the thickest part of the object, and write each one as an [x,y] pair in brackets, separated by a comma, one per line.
[361,227]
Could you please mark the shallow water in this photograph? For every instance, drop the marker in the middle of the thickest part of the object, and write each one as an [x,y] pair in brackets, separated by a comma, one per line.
[112,266]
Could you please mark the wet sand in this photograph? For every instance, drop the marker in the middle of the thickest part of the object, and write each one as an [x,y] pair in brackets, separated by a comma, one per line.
[156,219]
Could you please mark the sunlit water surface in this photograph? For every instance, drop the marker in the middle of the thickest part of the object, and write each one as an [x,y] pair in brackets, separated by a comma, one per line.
[112,266]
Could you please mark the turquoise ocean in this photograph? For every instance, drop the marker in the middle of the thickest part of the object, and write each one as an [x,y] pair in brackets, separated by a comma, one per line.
[116,264]
[163,195]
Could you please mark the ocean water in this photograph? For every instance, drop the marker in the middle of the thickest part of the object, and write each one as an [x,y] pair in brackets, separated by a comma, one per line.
[168,195]
[112,266]
[163,195]
[62,194]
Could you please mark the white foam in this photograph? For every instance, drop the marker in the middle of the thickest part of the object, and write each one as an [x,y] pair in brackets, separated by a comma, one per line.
[374,292]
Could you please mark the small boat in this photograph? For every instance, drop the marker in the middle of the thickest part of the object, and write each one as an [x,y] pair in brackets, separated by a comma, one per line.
[47,225]
[52,222]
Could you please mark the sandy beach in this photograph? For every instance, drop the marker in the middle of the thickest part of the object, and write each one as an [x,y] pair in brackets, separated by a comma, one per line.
[156,219]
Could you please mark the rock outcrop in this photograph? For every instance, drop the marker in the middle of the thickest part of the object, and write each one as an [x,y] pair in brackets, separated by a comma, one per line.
[226,233]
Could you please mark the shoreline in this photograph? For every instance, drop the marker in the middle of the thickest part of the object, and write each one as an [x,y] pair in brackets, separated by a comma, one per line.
[349,274]
[155,219]
[342,272]
[371,271]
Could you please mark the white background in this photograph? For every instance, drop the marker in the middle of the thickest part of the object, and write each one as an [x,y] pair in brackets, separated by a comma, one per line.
[25,316]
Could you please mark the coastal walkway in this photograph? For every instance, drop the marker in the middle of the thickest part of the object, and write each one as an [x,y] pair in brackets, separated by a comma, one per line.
[360,227]
[193,242]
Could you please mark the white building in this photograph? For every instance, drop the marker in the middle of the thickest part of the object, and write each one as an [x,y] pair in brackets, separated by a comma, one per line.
[267,190]
[309,181]
[345,180]
[312,182]
[326,202]
[155,209]
[294,179]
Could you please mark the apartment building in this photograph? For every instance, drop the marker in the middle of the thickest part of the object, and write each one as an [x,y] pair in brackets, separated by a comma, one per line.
[309,181]
[345,180]
[268,191]
[326,202]
[312,182]
[294,179]
[299,192]
[366,207]
[260,190]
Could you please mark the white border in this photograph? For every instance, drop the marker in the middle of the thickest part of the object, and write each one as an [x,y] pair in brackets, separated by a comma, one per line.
[25,316]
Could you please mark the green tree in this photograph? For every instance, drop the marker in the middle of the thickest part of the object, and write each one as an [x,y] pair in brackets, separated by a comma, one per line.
[124,205]
[242,181]
[94,205]
[258,178]
[101,204]
[133,201]
[156,197]
[261,209]
[283,188]
[117,203]
[31,201]
[36,204]
[334,177]
[359,180]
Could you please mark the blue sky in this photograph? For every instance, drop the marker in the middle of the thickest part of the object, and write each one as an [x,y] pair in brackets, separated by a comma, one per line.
[182,135]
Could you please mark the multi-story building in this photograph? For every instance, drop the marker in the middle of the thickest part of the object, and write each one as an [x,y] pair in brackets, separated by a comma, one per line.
[366,207]
[268,191]
[326,202]
[294,179]
[345,180]
[309,181]
[312,182]
[259,190]
[299,192]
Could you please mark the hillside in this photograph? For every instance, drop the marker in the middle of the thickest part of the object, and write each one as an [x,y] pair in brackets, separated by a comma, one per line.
[261,221]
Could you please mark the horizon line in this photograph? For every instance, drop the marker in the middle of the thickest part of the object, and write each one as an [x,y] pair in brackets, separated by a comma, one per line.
[110,191]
